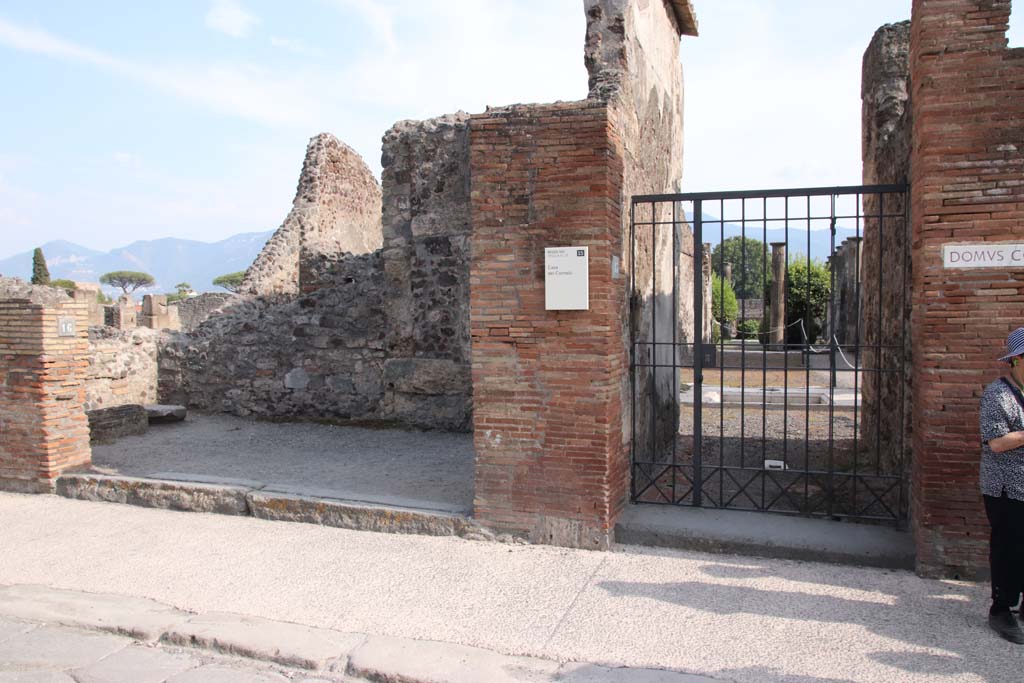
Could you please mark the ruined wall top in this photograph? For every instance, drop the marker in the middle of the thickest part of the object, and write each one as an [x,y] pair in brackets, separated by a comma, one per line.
[16,289]
[336,210]
[885,92]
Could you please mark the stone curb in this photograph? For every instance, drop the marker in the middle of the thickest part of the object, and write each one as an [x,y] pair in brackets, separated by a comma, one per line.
[376,658]
[243,500]
[154,493]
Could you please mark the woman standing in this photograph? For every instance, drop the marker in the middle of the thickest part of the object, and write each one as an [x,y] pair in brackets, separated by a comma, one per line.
[1002,487]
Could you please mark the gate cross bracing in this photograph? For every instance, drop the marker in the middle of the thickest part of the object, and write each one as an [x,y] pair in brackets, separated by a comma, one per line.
[794,400]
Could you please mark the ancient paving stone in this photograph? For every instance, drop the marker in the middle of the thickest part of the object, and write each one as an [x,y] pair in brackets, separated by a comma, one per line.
[134,617]
[35,677]
[217,673]
[136,664]
[272,641]
[401,659]
[225,500]
[9,629]
[56,649]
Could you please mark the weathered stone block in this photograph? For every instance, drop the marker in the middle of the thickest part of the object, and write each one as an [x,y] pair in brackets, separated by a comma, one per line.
[110,424]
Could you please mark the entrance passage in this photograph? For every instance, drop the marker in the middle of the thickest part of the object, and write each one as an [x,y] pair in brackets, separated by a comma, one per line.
[770,351]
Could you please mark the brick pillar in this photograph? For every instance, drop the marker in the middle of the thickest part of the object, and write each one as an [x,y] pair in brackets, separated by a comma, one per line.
[43,361]
[967,187]
[547,385]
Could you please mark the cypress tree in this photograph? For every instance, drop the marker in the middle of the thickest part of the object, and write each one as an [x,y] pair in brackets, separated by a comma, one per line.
[40,273]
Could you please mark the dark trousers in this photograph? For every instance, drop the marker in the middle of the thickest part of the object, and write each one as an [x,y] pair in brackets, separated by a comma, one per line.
[1006,549]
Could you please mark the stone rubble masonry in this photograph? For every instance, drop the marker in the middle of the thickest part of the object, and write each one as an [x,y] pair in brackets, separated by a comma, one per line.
[157,315]
[121,314]
[195,309]
[426,254]
[885,254]
[967,185]
[632,58]
[547,384]
[336,211]
[122,367]
[42,386]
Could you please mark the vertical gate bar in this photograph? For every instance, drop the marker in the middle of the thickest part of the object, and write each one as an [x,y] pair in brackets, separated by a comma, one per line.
[857,403]
[654,342]
[878,351]
[764,345]
[785,344]
[900,515]
[807,365]
[633,334]
[675,349]
[832,342]
[698,356]
[721,356]
[743,355]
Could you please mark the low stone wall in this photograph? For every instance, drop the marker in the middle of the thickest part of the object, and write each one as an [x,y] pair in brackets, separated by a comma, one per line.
[194,310]
[122,367]
[110,424]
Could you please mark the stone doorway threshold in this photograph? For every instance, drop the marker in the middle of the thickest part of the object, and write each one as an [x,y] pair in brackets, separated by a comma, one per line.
[766,535]
[387,480]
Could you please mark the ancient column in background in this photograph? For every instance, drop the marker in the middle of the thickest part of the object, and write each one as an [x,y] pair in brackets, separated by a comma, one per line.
[777,333]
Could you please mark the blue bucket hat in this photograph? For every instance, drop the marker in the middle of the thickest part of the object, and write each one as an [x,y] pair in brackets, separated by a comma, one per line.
[1014,344]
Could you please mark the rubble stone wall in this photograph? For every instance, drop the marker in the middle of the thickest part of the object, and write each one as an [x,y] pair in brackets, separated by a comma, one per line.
[336,211]
[194,310]
[632,57]
[122,367]
[885,254]
[426,262]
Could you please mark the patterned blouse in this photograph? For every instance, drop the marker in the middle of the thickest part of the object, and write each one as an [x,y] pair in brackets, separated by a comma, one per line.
[1001,414]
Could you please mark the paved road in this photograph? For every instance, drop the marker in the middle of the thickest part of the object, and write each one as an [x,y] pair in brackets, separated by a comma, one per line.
[730,618]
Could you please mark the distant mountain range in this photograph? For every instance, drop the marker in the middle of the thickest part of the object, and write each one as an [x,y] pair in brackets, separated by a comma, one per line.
[796,240]
[169,260]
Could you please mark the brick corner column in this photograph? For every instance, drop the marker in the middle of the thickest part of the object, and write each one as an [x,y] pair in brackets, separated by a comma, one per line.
[967,187]
[43,361]
[547,385]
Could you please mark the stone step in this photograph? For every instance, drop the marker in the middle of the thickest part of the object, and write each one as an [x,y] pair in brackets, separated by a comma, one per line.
[265,503]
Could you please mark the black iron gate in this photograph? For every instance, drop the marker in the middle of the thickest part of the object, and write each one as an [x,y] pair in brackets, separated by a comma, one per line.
[769,354]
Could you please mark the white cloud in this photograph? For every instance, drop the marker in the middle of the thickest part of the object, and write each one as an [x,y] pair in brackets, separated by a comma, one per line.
[379,17]
[229,17]
[296,46]
[246,91]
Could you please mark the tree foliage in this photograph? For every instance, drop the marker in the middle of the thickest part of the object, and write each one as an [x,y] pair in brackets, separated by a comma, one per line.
[808,284]
[182,291]
[68,285]
[751,265]
[724,307]
[230,281]
[40,273]
[127,280]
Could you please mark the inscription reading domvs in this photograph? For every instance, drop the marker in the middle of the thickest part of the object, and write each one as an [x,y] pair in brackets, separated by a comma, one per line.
[984,255]
[567,279]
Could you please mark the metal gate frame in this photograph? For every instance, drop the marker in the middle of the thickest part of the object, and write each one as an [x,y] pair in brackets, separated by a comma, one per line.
[889,498]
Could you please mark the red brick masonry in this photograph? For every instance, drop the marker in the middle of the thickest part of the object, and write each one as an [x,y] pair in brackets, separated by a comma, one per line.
[547,384]
[43,427]
[967,186]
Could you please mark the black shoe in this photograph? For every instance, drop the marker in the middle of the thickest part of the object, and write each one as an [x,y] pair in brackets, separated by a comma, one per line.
[1005,624]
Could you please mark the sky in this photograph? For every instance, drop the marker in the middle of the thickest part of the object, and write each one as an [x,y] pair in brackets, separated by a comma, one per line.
[128,120]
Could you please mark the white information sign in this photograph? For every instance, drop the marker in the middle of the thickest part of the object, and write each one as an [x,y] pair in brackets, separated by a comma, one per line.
[983,255]
[567,279]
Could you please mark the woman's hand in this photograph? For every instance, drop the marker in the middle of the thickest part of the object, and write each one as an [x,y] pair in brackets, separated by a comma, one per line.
[1007,442]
